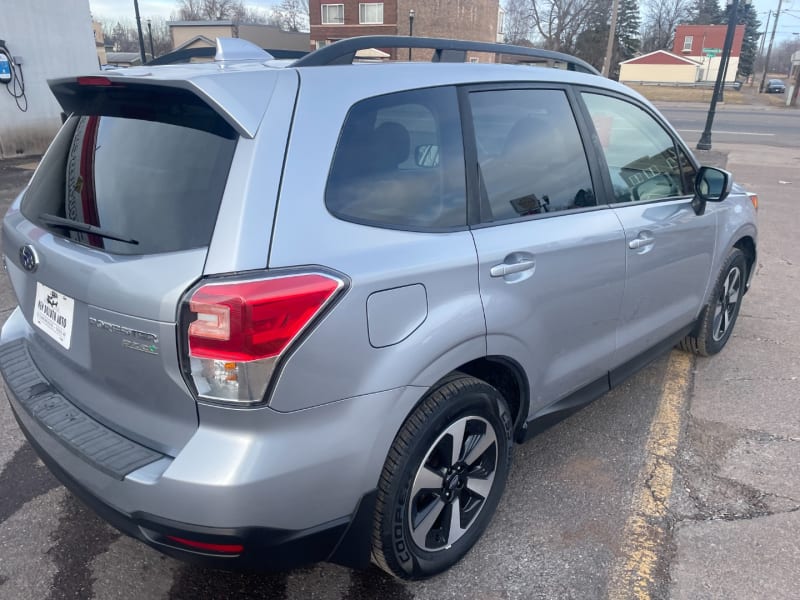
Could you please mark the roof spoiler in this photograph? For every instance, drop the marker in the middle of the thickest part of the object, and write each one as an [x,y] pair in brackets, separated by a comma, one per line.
[126,98]
[344,51]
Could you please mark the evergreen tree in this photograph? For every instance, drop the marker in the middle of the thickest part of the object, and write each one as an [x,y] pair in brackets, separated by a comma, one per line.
[707,12]
[746,16]
[592,42]
[628,38]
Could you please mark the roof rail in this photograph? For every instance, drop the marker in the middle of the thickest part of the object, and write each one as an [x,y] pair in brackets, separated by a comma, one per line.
[445,50]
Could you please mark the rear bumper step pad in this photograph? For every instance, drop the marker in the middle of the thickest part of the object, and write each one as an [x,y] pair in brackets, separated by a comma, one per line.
[84,436]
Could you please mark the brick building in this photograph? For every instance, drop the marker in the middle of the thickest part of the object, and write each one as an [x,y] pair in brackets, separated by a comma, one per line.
[478,20]
[703,44]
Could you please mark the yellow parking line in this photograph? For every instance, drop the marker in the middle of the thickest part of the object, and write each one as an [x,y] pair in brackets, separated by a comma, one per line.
[644,530]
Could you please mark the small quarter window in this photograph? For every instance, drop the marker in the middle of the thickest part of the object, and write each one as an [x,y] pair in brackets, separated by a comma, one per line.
[400,163]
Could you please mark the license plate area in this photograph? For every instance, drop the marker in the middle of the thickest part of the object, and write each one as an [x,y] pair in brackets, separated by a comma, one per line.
[53,314]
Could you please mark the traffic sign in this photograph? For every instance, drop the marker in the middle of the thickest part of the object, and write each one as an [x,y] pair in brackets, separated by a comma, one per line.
[712,51]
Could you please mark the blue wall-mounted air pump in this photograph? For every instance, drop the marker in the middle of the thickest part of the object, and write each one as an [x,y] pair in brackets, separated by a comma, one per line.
[5,63]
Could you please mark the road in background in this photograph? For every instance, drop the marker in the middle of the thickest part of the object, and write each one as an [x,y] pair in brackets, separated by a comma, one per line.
[775,127]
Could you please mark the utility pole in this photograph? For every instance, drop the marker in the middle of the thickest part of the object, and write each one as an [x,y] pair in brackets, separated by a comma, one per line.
[705,138]
[764,37]
[761,47]
[612,35]
[769,49]
[139,28]
[150,33]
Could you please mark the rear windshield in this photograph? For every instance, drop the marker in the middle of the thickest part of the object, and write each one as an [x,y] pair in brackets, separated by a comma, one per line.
[157,185]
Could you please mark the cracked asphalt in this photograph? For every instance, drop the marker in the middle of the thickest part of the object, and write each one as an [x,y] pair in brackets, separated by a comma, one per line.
[728,524]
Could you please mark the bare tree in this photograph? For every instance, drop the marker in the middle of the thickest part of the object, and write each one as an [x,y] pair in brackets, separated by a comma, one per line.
[661,18]
[519,26]
[552,24]
[121,35]
[209,10]
[292,15]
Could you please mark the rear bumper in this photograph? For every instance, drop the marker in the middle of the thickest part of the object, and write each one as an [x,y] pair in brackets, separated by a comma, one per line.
[287,488]
[262,548]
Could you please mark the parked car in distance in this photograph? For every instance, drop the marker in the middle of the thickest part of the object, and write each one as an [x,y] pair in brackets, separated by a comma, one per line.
[775,86]
[279,312]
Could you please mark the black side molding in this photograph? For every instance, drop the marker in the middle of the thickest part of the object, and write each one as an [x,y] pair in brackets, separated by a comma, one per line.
[560,410]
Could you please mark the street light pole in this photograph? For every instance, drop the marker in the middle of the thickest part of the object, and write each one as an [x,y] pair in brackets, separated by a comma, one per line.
[150,33]
[139,29]
[705,138]
[410,29]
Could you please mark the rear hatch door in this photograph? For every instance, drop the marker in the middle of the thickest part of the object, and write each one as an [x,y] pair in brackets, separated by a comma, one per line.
[113,228]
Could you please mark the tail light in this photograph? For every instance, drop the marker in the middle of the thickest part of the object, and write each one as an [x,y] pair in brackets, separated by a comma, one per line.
[242,327]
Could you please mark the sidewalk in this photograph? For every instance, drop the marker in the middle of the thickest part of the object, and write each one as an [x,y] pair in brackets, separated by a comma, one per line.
[736,501]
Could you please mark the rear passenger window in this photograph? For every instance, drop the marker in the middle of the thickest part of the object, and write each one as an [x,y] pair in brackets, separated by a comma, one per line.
[400,163]
[644,162]
[530,153]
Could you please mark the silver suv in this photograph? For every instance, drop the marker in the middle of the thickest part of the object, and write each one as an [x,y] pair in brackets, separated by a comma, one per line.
[277,312]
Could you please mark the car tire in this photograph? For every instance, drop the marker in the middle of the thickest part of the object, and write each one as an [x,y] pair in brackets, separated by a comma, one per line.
[433,504]
[719,316]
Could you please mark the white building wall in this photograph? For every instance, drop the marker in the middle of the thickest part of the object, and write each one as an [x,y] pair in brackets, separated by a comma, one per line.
[633,72]
[54,39]
[710,67]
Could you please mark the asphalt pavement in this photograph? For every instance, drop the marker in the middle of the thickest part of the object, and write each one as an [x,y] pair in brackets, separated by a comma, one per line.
[682,483]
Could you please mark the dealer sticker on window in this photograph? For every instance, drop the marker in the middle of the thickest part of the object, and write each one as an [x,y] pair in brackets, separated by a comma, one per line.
[52,313]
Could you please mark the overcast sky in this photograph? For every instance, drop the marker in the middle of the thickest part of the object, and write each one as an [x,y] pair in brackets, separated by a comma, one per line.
[117,9]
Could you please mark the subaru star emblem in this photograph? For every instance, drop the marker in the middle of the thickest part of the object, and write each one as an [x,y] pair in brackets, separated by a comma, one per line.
[28,258]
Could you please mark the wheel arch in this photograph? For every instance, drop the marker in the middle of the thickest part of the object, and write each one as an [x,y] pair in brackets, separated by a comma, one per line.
[503,373]
[747,245]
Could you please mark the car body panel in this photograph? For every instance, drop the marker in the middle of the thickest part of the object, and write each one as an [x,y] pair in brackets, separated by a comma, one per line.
[563,315]
[666,280]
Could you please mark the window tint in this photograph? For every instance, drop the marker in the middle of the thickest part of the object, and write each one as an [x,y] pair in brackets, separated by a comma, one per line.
[158,183]
[400,162]
[643,160]
[530,153]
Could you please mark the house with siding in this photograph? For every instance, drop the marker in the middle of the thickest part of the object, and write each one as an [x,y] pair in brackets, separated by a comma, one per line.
[660,66]
[696,57]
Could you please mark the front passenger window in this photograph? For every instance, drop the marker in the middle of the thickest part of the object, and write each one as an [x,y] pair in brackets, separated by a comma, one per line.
[643,159]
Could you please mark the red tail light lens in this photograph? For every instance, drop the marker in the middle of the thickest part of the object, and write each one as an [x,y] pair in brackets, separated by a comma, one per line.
[254,319]
[206,546]
[243,326]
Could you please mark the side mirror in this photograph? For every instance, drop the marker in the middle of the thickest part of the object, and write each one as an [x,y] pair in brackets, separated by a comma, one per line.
[710,185]
[427,156]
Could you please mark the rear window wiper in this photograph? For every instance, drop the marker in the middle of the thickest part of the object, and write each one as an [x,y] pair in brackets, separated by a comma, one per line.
[83,227]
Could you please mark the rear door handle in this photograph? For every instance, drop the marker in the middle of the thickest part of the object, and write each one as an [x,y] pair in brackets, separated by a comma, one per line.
[505,268]
[641,242]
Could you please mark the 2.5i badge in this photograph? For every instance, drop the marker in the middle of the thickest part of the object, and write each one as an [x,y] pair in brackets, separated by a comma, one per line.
[53,314]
